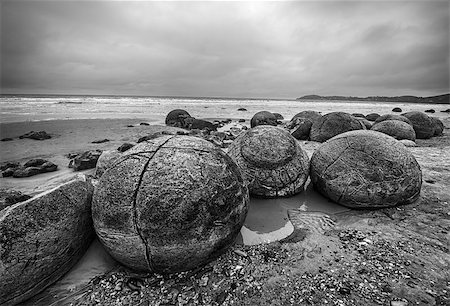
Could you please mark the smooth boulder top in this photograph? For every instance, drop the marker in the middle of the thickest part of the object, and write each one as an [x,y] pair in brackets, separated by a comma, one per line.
[170,204]
[366,169]
[392,117]
[333,124]
[299,128]
[395,128]
[176,117]
[372,116]
[271,160]
[308,114]
[263,118]
[422,124]
[42,238]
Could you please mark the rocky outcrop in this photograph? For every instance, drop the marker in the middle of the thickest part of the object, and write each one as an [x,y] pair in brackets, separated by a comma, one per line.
[42,238]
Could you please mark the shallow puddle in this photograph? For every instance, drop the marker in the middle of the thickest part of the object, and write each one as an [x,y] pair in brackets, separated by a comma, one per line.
[267,219]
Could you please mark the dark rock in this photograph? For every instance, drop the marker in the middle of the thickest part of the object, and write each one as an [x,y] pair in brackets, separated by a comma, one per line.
[48,167]
[430,111]
[124,147]
[130,125]
[299,128]
[366,169]
[241,120]
[311,115]
[392,117]
[42,135]
[395,128]
[7,165]
[35,162]
[278,116]
[144,123]
[166,195]
[263,118]
[422,124]
[358,115]
[101,141]
[242,109]
[177,118]
[42,239]
[397,110]
[372,116]
[201,125]
[6,139]
[333,124]
[8,172]
[271,160]
[438,126]
[26,172]
[11,197]
[446,111]
[86,160]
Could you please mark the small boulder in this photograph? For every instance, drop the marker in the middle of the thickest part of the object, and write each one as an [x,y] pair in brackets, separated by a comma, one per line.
[438,126]
[432,111]
[86,160]
[311,115]
[10,197]
[392,117]
[48,167]
[271,160]
[263,118]
[8,165]
[366,169]
[144,123]
[101,141]
[201,125]
[395,128]
[124,147]
[397,110]
[42,238]
[333,124]
[42,135]
[26,172]
[241,120]
[35,162]
[372,116]
[7,139]
[177,118]
[446,111]
[422,124]
[299,128]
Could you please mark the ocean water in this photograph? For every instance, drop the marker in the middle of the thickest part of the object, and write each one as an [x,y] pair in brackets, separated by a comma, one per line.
[20,108]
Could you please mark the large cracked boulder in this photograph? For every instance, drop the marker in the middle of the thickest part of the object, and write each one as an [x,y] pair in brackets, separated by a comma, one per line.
[366,169]
[271,160]
[422,124]
[263,118]
[395,128]
[333,124]
[42,238]
[170,204]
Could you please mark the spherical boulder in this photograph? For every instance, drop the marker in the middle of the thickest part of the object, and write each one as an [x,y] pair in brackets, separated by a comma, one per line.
[438,126]
[392,117]
[311,115]
[422,124]
[271,160]
[366,169]
[263,118]
[372,116]
[170,204]
[397,110]
[333,124]
[299,128]
[395,128]
[42,238]
[177,118]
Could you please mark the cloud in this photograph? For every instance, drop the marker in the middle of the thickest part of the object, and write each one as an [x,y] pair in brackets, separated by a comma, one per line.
[263,49]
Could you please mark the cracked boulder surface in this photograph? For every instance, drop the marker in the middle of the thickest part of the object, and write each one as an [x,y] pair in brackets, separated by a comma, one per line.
[395,128]
[333,124]
[366,169]
[170,204]
[42,238]
[271,160]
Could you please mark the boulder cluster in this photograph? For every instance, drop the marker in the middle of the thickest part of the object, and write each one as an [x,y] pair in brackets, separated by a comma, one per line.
[29,168]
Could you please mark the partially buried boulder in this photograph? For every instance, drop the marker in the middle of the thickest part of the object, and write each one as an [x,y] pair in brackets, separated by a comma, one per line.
[86,160]
[299,128]
[366,169]
[438,126]
[333,124]
[397,110]
[41,135]
[271,160]
[372,116]
[395,128]
[177,118]
[311,115]
[422,124]
[125,146]
[172,204]
[392,117]
[42,238]
[263,118]
[201,125]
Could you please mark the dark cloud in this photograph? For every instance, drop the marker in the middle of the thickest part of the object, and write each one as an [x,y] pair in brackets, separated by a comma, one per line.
[263,49]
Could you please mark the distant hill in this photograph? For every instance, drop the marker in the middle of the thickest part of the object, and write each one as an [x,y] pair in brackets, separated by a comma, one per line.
[441,99]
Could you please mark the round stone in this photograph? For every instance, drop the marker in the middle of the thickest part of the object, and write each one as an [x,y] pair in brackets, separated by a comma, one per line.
[438,126]
[170,204]
[177,117]
[271,160]
[395,128]
[263,118]
[333,124]
[392,117]
[366,169]
[422,124]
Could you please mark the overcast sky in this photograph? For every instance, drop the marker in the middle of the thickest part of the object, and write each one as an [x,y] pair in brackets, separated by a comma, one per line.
[225,49]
